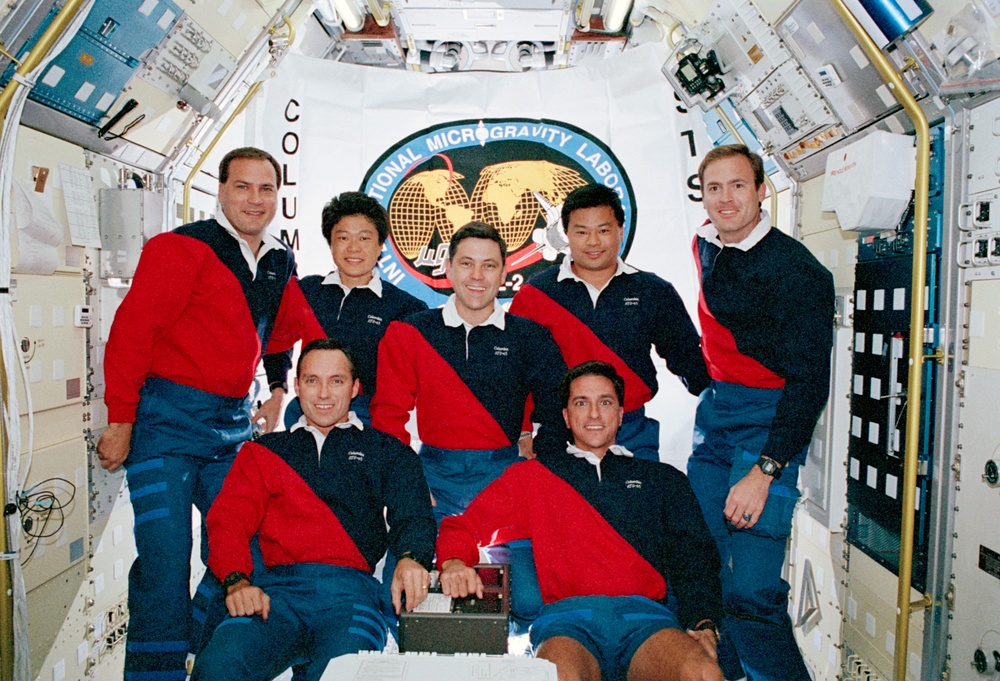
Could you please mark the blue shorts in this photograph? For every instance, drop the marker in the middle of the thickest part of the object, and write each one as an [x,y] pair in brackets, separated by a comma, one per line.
[611,628]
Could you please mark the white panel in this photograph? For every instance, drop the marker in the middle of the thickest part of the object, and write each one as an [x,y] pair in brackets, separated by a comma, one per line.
[983,139]
[977,542]
[878,299]
[890,485]
[84,92]
[871,479]
[877,343]
[899,299]
[105,102]
[53,76]
[166,19]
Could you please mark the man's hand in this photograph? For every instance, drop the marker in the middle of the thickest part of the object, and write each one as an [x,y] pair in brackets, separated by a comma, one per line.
[112,448]
[411,578]
[270,410]
[747,499]
[458,580]
[246,600]
[526,446]
[707,640]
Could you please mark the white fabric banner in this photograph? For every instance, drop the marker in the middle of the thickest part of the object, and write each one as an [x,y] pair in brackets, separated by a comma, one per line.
[337,127]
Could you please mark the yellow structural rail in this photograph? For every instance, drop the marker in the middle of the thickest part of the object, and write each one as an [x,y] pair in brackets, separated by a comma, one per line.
[904,608]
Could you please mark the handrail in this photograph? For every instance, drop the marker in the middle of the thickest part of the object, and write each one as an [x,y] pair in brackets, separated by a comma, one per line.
[211,145]
[222,131]
[289,25]
[38,51]
[894,80]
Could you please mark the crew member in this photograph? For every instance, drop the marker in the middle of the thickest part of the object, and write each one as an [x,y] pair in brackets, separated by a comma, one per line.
[468,368]
[766,312]
[181,357]
[353,303]
[318,497]
[597,307]
[611,533]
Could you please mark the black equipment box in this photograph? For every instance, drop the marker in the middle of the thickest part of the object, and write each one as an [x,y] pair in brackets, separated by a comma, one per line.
[474,625]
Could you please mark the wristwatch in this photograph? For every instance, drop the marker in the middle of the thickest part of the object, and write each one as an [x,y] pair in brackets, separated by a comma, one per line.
[769,466]
[231,580]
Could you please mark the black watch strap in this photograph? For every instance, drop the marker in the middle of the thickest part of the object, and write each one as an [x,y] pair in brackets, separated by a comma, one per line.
[231,580]
[707,624]
[769,466]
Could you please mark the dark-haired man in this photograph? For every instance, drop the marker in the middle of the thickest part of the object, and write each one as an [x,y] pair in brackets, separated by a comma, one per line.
[597,307]
[353,303]
[184,347]
[766,312]
[469,368]
[607,530]
[318,497]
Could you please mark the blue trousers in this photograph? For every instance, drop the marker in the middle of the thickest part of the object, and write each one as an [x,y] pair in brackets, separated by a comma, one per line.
[640,435]
[731,427]
[611,628]
[318,612]
[183,443]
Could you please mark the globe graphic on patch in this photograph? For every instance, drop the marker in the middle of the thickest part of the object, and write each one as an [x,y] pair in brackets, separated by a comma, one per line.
[428,200]
[504,196]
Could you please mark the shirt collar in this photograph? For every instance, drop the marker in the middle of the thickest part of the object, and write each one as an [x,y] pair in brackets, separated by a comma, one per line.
[375,284]
[709,233]
[352,422]
[452,318]
[590,457]
[268,243]
[566,270]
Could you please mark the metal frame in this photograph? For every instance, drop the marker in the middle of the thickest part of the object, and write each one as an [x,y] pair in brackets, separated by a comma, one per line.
[953,300]
[904,608]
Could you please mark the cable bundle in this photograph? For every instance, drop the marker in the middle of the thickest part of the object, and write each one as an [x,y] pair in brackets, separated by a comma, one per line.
[16,473]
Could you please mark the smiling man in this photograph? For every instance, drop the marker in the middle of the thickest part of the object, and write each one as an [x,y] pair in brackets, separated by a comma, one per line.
[182,354]
[766,313]
[353,303]
[318,497]
[611,533]
[469,368]
[597,307]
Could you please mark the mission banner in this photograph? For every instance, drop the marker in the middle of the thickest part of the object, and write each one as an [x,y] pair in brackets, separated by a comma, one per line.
[440,150]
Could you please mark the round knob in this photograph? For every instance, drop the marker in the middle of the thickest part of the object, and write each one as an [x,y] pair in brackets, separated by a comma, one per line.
[992,474]
[979,661]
